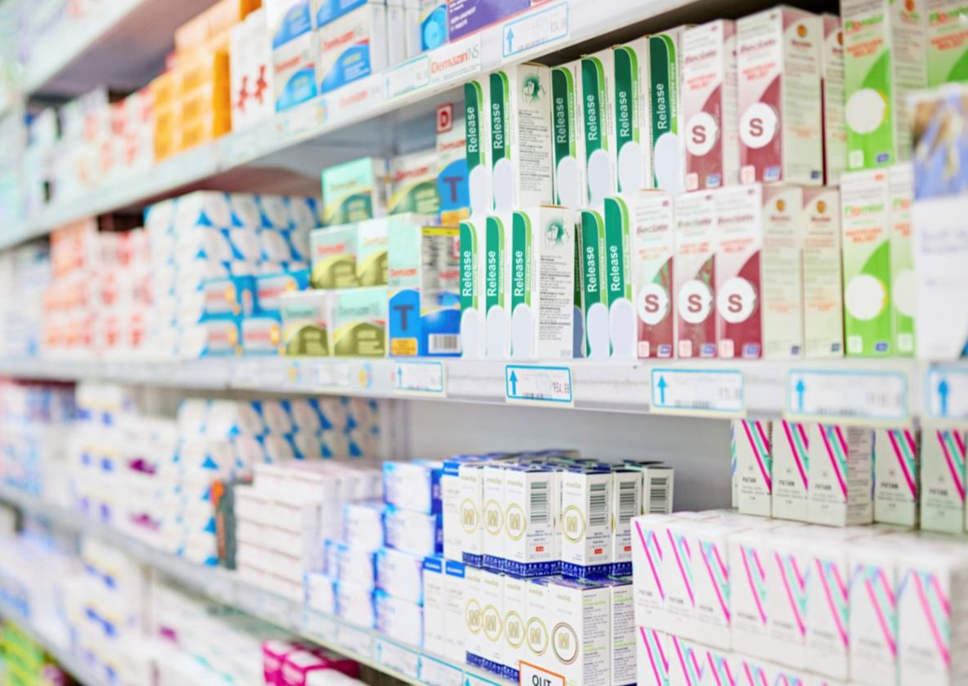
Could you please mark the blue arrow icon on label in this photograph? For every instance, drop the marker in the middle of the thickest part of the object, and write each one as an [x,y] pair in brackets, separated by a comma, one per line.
[510,40]
[800,387]
[662,386]
[943,396]
[514,383]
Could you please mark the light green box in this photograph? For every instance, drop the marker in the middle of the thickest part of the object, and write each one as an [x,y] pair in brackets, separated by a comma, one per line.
[903,298]
[354,191]
[947,41]
[885,58]
[333,253]
[305,324]
[413,183]
[358,322]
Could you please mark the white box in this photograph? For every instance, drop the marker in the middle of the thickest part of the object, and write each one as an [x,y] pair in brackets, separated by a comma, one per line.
[709,102]
[778,64]
[473,610]
[823,295]
[873,610]
[413,485]
[942,479]
[582,633]
[596,95]
[896,476]
[454,578]
[515,619]
[530,519]
[352,47]
[493,515]
[474,303]
[679,580]
[622,622]
[651,559]
[750,555]
[840,475]
[540,620]
[832,86]
[492,619]
[412,532]
[401,574]
[653,236]
[568,135]
[791,460]
[620,217]
[626,504]
[477,120]
[294,72]
[586,545]
[355,604]
[435,606]
[397,618]
[754,465]
[693,278]
[471,477]
[652,657]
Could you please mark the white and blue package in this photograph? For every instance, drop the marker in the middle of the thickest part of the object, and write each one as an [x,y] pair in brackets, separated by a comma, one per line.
[412,532]
[433,24]
[363,525]
[352,47]
[308,414]
[398,618]
[262,334]
[330,546]
[288,19]
[400,574]
[274,212]
[283,245]
[328,10]
[269,288]
[320,593]
[355,604]
[213,338]
[305,212]
[413,485]
[356,565]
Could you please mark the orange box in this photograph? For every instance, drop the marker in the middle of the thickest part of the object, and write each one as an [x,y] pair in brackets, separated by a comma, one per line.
[206,100]
[202,130]
[192,33]
[200,67]
[162,88]
[227,13]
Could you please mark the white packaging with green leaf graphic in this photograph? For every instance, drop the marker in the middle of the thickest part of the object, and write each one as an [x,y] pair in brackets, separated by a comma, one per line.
[354,191]
[594,298]
[568,143]
[542,282]
[496,280]
[520,145]
[477,122]
[597,132]
[947,41]
[473,266]
[866,246]
[885,58]
[631,107]
[668,153]
[620,215]
[903,284]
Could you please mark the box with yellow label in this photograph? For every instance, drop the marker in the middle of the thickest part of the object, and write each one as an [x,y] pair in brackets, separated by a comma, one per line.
[359,322]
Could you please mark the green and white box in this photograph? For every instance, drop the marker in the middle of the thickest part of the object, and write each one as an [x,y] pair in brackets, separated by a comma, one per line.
[632,127]
[473,313]
[333,253]
[598,126]
[359,322]
[823,296]
[497,306]
[594,297]
[541,271]
[305,323]
[567,135]
[620,217]
[521,159]
[477,123]
[413,183]
[668,152]
[866,230]
[885,59]
[947,41]
[903,282]
[354,191]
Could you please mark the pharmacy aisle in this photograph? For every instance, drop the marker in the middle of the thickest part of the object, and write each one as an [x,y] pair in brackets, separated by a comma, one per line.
[482,342]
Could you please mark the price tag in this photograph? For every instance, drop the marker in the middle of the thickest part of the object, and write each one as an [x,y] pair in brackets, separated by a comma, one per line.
[434,672]
[351,102]
[397,658]
[333,374]
[833,395]
[302,118]
[709,392]
[243,146]
[408,77]
[946,393]
[249,599]
[420,378]
[219,589]
[319,626]
[245,373]
[535,30]
[276,610]
[532,675]
[457,61]
[538,385]
[355,640]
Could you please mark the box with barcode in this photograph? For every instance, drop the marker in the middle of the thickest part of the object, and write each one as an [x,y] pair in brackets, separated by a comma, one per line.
[626,503]
[586,533]
[530,494]
[471,476]
[493,514]
[581,638]
[515,618]
[425,307]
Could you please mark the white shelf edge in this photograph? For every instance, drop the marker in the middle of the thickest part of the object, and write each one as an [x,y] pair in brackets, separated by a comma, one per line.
[221,586]
[64,658]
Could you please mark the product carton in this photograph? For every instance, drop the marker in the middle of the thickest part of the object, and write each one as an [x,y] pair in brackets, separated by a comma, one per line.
[653,250]
[778,64]
[885,59]
[632,140]
[250,72]
[493,514]
[352,47]
[492,620]
[840,474]
[473,609]
[586,522]
[750,557]
[471,477]
[423,287]
[832,84]
[514,620]
[452,190]
[568,135]
[413,183]
[873,613]
[359,322]
[626,503]
[454,576]
[467,16]
[433,24]
[694,277]
[333,257]
[679,581]
[598,126]
[494,270]
[791,464]
[473,303]
[652,657]
[594,295]
[542,283]
[754,464]
[903,288]
[942,479]
[947,41]
[477,124]
[372,242]
[620,218]
[294,72]
[866,230]
[709,102]
[668,155]
[622,621]
[896,477]
[759,311]
[823,300]
[538,624]
[651,560]
[530,519]
[520,150]
[581,636]
[354,191]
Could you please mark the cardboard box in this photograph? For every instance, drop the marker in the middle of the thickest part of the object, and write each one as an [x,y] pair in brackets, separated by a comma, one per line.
[598,126]
[668,153]
[873,614]
[626,504]
[947,40]
[832,87]
[352,47]
[358,322]
[581,636]
[473,301]
[530,520]
[452,189]
[514,620]
[372,247]
[942,479]
[778,65]
[413,183]
[903,290]
[492,620]
[651,650]
[467,16]
[294,72]
[620,217]
[791,462]
[653,251]
[354,191]
[493,515]
[823,299]
[594,295]
[586,546]
[471,477]
[697,242]
[477,123]
[334,257]
[497,311]
[568,132]
[649,564]
[840,475]
[709,102]
[754,464]
[896,476]
[632,113]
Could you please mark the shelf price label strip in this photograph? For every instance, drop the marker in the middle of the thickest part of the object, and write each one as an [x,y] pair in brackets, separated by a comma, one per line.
[427,379]
[534,30]
[946,394]
[697,392]
[848,397]
[538,385]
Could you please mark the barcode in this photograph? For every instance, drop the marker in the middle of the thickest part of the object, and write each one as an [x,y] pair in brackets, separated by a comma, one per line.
[539,502]
[627,502]
[443,343]
[597,505]
[659,496]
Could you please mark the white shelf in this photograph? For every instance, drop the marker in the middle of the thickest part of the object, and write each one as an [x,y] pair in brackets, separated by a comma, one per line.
[410,664]
[867,392]
[428,79]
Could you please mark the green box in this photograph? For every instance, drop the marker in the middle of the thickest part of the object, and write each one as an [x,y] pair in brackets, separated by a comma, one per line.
[305,324]
[354,191]
[333,253]
[358,322]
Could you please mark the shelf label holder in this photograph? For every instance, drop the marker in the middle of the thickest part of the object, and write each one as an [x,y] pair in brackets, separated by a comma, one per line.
[539,385]
[848,397]
[697,392]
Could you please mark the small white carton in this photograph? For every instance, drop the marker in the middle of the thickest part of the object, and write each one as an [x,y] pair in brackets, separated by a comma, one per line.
[840,475]
[515,620]
[823,296]
[754,465]
[651,560]
[652,657]
[493,515]
[942,479]
[791,465]
[586,521]
[581,637]
[896,476]
[530,518]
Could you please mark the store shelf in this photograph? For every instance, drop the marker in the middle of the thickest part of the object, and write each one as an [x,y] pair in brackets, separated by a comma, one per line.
[868,392]
[64,657]
[121,45]
[407,663]
[367,115]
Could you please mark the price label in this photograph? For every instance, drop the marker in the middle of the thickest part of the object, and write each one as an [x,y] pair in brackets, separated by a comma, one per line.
[420,378]
[946,393]
[709,392]
[434,672]
[276,610]
[355,640]
[406,78]
[397,658]
[538,385]
[457,61]
[308,116]
[352,101]
[219,589]
[865,397]
[532,675]
[249,599]
[319,626]
[535,30]
[333,374]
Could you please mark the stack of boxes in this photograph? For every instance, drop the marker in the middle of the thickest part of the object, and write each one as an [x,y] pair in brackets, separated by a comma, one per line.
[25,274]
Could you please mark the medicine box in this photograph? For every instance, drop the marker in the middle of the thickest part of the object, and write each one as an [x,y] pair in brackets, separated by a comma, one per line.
[594,295]
[413,485]
[903,291]
[620,216]
[694,279]
[354,191]
[832,85]
[581,636]
[496,301]
[665,86]
[586,544]
[372,246]
[294,72]
[942,487]
[352,47]
[840,475]
[947,41]
[596,93]
[515,619]
[359,322]
[823,299]
[896,476]
[631,111]
[530,517]
[452,190]
[411,532]
[477,125]
[473,236]
[653,251]
[568,135]
[413,183]
[492,620]
[754,464]
[791,464]
[334,257]
[493,516]
[305,324]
